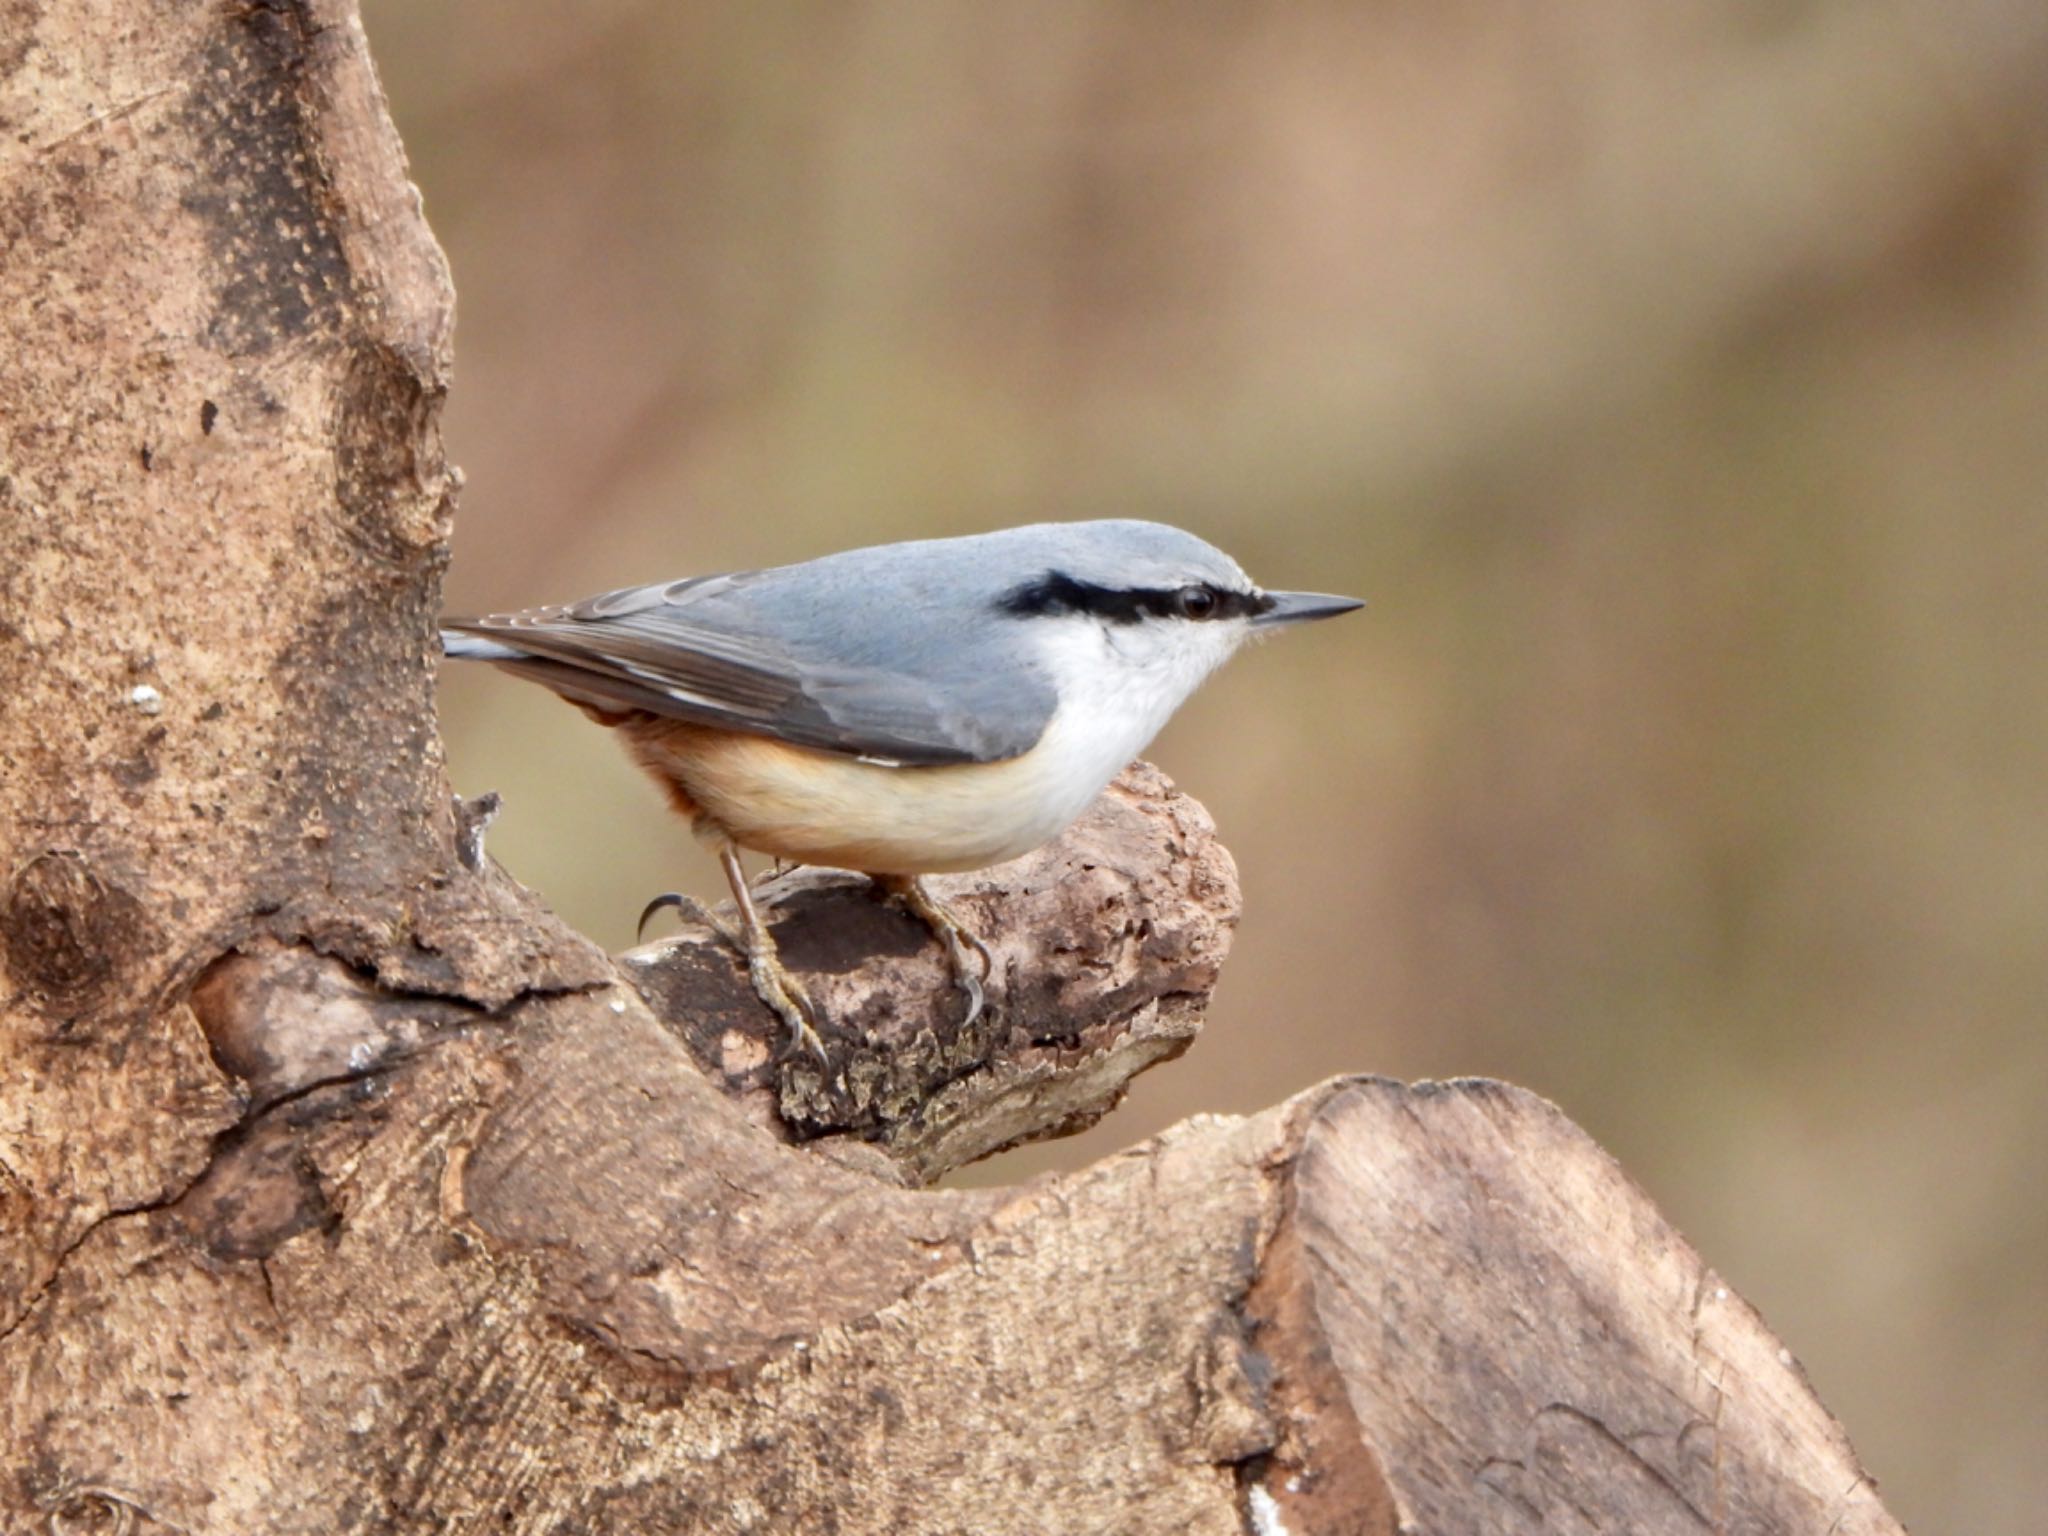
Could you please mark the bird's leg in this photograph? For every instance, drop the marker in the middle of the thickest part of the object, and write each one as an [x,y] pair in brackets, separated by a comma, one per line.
[782,992]
[955,935]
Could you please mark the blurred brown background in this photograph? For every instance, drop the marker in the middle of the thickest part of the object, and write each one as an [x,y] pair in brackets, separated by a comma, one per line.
[1674,381]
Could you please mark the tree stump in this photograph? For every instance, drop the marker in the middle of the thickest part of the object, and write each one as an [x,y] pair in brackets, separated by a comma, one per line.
[343,1189]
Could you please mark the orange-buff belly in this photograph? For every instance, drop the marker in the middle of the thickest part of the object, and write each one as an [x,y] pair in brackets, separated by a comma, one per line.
[823,808]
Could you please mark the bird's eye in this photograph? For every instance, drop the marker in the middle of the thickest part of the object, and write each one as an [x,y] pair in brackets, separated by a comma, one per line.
[1195,602]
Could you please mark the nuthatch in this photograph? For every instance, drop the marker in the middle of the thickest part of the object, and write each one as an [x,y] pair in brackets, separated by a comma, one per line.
[903,710]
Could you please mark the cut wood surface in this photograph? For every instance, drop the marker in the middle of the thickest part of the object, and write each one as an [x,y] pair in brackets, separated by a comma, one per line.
[342,1189]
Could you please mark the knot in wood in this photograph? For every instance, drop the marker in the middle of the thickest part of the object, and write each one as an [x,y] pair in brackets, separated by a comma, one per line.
[91,1512]
[390,483]
[62,926]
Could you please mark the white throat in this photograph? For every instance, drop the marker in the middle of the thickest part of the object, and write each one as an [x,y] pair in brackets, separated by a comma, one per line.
[1118,684]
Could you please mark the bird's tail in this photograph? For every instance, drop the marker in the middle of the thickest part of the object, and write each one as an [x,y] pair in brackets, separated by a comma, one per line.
[473,648]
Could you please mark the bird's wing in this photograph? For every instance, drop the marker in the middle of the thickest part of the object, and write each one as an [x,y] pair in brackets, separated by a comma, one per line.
[707,650]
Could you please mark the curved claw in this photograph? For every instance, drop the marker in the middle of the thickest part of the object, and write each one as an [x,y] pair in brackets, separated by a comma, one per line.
[668,899]
[953,935]
[972,987]
[980,947]
[802,1040]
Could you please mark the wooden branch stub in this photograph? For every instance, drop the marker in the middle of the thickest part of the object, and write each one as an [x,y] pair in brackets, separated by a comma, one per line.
[1106,943]
[1476,1323]
[500,1285]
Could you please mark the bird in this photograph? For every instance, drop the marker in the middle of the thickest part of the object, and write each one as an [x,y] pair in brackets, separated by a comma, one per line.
[901,710]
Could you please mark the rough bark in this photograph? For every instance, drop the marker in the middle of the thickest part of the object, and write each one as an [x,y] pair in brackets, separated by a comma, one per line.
[342,1189]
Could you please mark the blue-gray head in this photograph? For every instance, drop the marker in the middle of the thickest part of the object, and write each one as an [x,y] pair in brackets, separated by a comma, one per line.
[1126,572]
[1126,618]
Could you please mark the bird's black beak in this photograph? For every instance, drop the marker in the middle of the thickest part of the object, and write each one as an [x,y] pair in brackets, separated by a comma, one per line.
[1300,607]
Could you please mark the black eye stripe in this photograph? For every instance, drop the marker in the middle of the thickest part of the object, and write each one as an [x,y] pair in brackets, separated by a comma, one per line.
[1056,592]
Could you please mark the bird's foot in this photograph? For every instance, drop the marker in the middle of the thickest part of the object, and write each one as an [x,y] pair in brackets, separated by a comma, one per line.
[693,911]
[772,982]
[787,1000]
[963,946]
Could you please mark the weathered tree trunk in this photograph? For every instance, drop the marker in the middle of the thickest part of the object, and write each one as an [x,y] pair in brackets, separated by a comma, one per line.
[342,1189]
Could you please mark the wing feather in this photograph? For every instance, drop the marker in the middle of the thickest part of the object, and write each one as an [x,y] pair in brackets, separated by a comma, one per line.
[723,651]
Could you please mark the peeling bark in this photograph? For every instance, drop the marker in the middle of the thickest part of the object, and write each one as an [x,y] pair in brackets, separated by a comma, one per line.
[343,1189]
